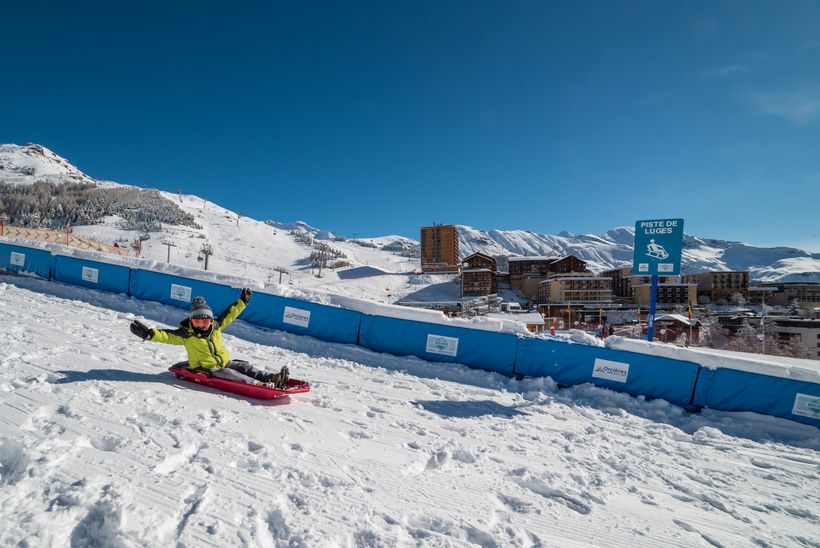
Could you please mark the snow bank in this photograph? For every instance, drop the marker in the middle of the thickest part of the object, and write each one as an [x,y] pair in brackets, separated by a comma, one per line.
[428,316]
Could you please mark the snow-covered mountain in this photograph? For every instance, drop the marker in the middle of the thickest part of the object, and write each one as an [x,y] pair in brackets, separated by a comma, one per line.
[32,162]
[256,248]
[614,249]
[302,226]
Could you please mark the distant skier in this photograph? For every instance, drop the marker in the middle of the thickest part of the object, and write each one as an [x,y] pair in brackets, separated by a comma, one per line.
[201,335]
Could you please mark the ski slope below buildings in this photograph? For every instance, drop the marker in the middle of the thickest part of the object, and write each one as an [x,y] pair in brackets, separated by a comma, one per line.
[101,446]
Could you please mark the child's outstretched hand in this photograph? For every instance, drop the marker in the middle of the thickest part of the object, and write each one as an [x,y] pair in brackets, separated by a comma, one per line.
[141,330]
[246,295]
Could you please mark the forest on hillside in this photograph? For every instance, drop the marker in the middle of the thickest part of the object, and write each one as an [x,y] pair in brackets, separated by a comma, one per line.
[44,204]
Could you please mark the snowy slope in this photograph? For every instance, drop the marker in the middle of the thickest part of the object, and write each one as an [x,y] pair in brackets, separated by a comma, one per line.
[100,446]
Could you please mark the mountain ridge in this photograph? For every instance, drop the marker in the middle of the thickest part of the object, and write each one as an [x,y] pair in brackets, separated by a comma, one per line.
[612,249]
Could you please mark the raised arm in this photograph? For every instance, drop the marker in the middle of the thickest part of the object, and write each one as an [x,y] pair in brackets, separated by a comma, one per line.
[165,336]
[230,314]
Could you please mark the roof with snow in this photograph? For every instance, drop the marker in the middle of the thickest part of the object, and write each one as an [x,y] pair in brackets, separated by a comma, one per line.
[550,259]
[529,318]
[680,318]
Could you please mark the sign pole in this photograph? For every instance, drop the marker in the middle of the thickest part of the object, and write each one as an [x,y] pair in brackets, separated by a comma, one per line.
[657,252]
[653,296]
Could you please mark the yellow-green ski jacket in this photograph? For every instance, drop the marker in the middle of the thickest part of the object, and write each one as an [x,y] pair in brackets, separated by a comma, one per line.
[205,351]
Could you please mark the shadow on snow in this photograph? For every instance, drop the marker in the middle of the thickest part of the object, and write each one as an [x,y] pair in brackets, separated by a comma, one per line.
[468,409]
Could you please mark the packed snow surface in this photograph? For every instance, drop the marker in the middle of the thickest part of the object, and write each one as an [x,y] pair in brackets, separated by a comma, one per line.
[101,446]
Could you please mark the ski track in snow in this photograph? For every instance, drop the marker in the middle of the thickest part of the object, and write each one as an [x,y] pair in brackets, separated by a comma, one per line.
[101,446]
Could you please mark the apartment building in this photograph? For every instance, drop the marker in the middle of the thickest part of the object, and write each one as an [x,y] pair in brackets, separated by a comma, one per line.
[579,288]
[439,248]
[622,288]
[719,285]
[480,260]
[807,294]
[478,274]
[539,268]
[761,295]
[805,330]
[528,267]
[627,287]
[670,293]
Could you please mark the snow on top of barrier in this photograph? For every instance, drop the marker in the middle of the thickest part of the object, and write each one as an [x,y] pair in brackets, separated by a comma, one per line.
[429,316]
[27,243]
[577,336]
[774,366]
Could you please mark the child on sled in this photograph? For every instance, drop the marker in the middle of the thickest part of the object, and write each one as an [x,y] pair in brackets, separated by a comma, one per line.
[201,335]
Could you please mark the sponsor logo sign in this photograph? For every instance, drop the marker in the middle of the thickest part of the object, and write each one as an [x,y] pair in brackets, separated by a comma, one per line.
[91,275]
[296,316]
[439,344]
[609,370]
[181,293]
[806,406]
[18,259]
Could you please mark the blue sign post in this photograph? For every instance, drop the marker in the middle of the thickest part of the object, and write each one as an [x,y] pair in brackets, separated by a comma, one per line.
[657,251]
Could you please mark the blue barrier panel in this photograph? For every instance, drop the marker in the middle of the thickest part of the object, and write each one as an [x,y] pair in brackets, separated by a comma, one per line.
[732,390]
[29,260]
[441,343]
[302,317]
[178,291]
[93,274]
[630,372]
[328,323]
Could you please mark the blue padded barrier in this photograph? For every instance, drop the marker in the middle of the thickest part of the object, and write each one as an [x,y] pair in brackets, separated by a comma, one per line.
[301,317]
[681,382]
[441,343]
[630,372]
[93,274]
[28,260]
[732,390]
[328,323]
[178,291]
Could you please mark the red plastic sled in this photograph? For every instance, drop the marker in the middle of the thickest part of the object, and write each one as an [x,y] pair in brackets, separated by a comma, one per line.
[294,386]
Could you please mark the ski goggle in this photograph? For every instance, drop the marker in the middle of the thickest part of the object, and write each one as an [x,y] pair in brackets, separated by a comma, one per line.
[201,323]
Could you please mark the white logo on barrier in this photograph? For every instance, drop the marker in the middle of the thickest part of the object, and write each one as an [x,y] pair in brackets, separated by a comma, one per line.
[296,316]
[181,293]
[612,371]
[90,274]
[439,344]
[18,259]
[806,406]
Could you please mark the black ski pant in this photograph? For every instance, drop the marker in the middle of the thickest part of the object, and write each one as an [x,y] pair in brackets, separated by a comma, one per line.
[242,371]
[247,369]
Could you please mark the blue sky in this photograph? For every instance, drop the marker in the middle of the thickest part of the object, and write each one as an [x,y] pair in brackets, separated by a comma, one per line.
[379,117]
